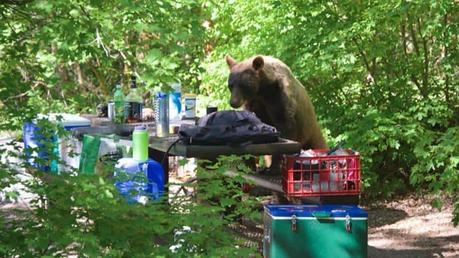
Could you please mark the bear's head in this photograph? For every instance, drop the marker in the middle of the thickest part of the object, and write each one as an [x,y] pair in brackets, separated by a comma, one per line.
[244,79]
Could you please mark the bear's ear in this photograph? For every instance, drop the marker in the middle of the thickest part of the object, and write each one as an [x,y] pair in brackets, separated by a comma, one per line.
[258,63]
[230,61]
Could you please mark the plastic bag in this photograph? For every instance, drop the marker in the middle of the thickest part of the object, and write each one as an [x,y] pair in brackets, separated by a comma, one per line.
[89,154]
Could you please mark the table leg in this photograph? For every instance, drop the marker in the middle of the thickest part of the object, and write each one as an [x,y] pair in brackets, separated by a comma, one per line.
[161,156]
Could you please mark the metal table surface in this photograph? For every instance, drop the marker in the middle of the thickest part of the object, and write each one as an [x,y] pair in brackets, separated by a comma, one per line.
[158,150]
[283,146]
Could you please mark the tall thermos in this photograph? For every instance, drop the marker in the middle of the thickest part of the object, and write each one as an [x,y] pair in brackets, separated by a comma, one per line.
[162,114]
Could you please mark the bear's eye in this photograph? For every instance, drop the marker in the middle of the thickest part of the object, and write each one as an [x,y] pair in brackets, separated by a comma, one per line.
[244,86]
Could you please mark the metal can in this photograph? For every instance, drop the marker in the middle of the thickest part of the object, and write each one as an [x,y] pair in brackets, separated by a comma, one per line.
[190,105]
[162,114]
[111,111]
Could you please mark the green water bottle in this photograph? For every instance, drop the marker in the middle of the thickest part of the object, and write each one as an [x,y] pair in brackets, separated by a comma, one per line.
[140,143]
[118,98]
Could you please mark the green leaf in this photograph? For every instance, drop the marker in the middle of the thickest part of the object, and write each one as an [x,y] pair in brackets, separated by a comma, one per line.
[75,13]
[108,194]
[153,55]
[182,162]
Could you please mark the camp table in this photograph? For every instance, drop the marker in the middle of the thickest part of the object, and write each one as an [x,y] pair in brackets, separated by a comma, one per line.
[158,150]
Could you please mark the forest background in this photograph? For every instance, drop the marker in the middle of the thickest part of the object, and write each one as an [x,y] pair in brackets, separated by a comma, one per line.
[383,76]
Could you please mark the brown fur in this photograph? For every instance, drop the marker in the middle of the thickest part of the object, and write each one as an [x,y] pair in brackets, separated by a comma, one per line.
[267,87]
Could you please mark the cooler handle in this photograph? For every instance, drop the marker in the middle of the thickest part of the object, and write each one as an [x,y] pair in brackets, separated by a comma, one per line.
[294,223]
[321,214]
[348,224]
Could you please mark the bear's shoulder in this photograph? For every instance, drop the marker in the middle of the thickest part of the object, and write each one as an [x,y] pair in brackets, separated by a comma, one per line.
[275,69]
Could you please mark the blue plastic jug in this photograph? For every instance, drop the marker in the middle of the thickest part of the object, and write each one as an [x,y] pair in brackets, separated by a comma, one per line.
[33,139]
[139,181]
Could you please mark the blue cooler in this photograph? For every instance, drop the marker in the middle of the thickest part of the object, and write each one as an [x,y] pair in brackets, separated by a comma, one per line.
[139,181]
[33,139]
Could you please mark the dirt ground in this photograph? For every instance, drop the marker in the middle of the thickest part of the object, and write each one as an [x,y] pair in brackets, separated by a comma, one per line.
[411,228]
[406,228]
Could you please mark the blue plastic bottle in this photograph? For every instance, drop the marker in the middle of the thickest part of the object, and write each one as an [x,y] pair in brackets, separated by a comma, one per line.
[139,181]
[175,101]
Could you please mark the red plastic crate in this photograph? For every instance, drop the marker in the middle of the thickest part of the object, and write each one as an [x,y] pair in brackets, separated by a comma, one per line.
[322,175]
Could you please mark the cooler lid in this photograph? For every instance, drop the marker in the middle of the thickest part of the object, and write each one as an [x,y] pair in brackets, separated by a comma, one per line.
[67,120]
[318,211]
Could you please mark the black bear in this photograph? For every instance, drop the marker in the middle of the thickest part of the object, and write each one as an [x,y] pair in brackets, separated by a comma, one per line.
[267,87]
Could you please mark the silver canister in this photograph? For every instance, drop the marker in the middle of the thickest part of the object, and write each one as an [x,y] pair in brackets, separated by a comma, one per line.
[162,114]
[111,110]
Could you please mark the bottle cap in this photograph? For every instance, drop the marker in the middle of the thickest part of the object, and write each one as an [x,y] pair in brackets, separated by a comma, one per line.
[160,94]
[133,82]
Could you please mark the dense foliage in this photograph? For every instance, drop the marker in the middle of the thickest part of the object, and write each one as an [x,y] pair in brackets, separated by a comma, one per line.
[84,214]
[383,75]
[68,55]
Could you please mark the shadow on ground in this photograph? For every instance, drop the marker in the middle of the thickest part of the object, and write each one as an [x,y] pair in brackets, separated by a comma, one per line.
[380,216]
[401,244]
[374,252]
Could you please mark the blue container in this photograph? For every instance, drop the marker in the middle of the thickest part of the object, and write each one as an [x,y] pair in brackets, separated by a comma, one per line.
[34,147]
[33,139]
[139,181]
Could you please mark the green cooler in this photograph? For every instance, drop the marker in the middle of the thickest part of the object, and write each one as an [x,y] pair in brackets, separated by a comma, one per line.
[315,231]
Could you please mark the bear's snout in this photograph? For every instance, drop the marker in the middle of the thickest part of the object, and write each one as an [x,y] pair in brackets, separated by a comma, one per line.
[235,103]
[236,99]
